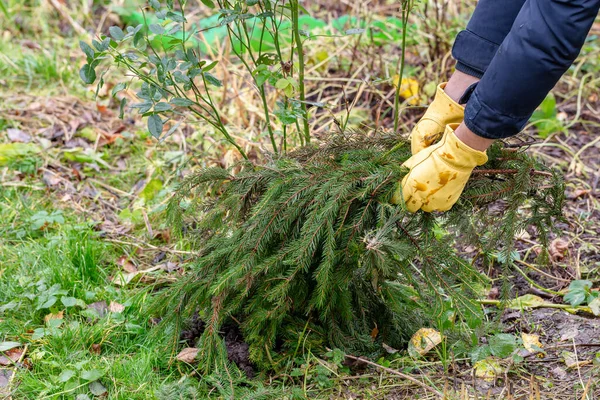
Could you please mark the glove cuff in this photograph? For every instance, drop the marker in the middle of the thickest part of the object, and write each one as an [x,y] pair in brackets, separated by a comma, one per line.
[457,153]
[451,109]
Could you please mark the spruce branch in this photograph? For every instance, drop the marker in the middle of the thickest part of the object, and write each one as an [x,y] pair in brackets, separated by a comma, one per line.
[308,242]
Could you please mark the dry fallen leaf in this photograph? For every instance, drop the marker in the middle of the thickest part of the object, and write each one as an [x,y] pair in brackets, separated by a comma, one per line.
[580,193]
[124,279]
[568,334]
[50,178]
[11,356]
[17,135]
[187,355]
[230,158]
[5,375]
[389,349]
[374,332]
[558,249]
[125,263]
[562,116]
[523,235]
[30,44]
[559,373]
[100,307]
[96,349]
[423,341]
[115,307]
[494,293]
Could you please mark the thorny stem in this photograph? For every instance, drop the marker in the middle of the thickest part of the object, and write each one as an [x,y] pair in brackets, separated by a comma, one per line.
[406,7]
[231,35]
[275,36]
[300,50]
[262,91]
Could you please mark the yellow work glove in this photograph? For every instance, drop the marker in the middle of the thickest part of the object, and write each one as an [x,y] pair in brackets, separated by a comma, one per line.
[441,112]
[438,174]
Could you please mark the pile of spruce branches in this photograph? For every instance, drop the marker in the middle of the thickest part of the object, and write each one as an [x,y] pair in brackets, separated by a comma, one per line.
[305,249]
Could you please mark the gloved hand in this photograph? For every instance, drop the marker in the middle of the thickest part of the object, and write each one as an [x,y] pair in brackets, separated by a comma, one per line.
[441,112]
[438,174]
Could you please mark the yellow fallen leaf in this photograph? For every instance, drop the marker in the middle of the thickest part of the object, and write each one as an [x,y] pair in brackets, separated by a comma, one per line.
[532,344]
[526,301]
[488,369]
[409,89]
[321,55]
[58,315]
[572,361]
[423,341]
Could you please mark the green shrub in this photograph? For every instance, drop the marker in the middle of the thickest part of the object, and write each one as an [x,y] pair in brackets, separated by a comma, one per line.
[307,247]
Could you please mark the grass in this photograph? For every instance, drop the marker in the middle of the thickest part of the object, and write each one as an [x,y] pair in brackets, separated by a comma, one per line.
[70,223]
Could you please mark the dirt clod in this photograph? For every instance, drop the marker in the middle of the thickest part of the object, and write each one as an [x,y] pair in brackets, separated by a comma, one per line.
[238,350]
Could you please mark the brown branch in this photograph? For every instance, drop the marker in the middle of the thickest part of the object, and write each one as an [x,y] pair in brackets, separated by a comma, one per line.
[509,172]
[74,24]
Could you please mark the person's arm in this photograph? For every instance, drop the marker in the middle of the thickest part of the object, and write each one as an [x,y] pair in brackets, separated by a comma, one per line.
[545,39]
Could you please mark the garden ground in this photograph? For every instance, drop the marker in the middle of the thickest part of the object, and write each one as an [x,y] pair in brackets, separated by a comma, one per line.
[84,235]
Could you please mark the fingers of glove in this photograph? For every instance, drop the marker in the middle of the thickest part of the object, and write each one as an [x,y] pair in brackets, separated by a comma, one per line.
[413,204]
[417,159]
[424,134]
[437,204]
[410,193]
[444,197]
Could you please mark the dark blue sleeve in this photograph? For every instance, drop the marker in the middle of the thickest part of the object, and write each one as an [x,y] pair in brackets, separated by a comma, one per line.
[545,39]
[476,46]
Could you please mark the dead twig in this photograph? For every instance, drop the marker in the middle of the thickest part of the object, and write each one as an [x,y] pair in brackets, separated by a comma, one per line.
[397,373]
[58,7]
[12,377]
[509,172]
[149,246]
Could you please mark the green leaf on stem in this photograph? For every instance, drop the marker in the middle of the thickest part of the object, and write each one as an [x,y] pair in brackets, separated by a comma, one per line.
[91,375]
[176,16]
[122,107]
[116,33]
[213,80]
[157,29]
[155,4]
[578,292]
[87,74]
[180,102]
[89,52]
[155,125]
[162,106]
[118,87]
